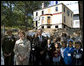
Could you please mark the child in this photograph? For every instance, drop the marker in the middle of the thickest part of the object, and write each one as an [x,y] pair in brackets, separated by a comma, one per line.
[68,54]
[49,52]
[56,55]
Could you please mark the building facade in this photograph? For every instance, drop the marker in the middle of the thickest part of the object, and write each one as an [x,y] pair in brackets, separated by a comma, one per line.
[56,16]
[73,5]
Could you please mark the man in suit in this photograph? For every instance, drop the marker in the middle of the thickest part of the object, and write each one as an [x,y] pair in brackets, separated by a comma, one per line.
[77,54]
[40,48]
[7,48]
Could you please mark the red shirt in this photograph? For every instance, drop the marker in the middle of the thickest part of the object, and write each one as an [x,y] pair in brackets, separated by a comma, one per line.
[56,52]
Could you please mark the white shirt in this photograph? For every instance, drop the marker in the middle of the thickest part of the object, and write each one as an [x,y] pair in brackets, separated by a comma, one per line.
[62,52]
[48,45]
[40,38]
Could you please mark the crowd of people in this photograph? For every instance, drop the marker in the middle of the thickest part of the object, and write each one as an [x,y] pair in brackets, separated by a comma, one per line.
[40,50]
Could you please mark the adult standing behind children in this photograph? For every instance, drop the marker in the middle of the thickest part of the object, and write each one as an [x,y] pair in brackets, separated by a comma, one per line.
[22,49]
[40,48]
[62,49]
[78,54]
[7,48]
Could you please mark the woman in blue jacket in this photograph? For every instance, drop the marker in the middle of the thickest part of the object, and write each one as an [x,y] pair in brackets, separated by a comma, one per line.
[68,53]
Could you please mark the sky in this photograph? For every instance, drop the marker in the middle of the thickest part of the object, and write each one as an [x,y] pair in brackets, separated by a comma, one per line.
[51,3]
[73,5]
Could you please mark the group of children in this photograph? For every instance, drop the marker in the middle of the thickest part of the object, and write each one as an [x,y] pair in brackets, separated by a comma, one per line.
[64,53]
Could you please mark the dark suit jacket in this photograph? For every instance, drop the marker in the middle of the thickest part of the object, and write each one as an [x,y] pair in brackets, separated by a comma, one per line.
[40,46]
[75,53]
[8,44]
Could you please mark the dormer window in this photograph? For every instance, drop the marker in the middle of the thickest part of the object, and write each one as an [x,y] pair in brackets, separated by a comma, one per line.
[56,8]
[42,12]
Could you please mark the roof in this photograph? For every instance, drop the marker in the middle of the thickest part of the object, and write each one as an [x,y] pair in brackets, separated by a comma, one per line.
[53,6]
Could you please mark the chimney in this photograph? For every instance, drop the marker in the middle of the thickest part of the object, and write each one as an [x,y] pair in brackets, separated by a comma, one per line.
[55,2]
[42,5]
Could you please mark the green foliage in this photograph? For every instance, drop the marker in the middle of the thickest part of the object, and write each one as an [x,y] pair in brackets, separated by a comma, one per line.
[16,13]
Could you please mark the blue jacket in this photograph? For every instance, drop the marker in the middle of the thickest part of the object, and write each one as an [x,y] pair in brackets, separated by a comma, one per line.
[68,55]
[69,40]
[78,56]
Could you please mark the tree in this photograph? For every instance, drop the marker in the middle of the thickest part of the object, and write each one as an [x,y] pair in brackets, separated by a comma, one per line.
[7,15]
[16,13]
[27,7]
[81,17]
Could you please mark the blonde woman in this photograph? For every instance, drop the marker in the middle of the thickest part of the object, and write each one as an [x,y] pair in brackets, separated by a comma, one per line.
[22,49]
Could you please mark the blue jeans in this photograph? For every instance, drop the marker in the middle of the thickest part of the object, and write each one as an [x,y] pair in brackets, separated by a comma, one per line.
[56,59]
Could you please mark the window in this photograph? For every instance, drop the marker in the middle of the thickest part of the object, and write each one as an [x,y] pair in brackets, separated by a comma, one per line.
[71,14]
[56,26]
[48,19]
[36,24]
[77,22]
[48,26]
[42,26]
[42,19]
[56,8]
[64,26]
[42,12]
[64,9]
[56,2]
[64,19]
[68,12]
[49,10]
[71,23]
[36,13]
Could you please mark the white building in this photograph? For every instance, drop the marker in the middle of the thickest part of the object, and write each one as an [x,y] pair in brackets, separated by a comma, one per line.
[73,5]
[56,16]
[76,21]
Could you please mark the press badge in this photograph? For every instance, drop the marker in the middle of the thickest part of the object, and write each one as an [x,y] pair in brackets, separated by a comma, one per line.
[33,49]
[69,54]
[21,44]
[78,55]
